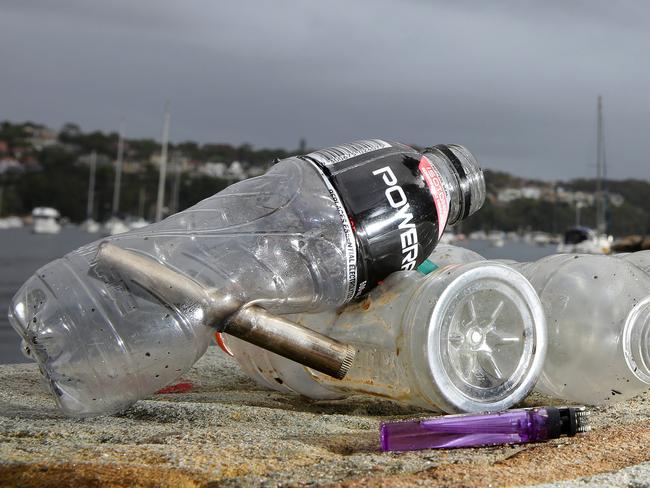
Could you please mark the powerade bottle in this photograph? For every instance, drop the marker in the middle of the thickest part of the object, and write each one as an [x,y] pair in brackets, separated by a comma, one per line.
[311,234]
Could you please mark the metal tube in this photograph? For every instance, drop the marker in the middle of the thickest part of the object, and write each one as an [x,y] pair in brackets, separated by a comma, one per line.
[290,340]
[251,324]
[166,284]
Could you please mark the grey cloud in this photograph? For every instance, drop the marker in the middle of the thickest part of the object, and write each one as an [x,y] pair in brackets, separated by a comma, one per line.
[514,81]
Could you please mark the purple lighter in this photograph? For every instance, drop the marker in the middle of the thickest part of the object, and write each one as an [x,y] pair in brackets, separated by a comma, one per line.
[518,426]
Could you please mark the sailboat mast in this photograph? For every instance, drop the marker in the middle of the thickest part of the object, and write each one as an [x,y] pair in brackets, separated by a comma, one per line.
[176,188]
[118,171]
[605,191]
[163,165]
[91,186]
[601,172]
[141,202]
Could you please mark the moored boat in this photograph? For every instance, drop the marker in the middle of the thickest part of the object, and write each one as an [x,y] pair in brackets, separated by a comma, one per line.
[584,240]
[46,220]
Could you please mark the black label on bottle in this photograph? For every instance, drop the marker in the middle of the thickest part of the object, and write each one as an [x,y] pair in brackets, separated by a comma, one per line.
[395,200]
[351,255]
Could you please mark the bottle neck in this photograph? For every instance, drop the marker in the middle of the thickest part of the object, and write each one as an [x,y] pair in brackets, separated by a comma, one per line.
[451,183]
[463,179]
[636,340]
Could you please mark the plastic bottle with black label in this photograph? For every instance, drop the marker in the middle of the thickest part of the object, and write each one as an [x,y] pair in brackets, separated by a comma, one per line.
[311,234]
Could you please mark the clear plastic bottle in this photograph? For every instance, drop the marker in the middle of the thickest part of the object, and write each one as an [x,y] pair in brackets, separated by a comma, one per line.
[311,234]
[460,339]
[640,259]
[598,315]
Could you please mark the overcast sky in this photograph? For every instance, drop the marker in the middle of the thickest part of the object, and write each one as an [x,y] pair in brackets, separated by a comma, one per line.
[516,82]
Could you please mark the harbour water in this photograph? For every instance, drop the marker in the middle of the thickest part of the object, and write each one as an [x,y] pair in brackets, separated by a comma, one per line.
[22,253]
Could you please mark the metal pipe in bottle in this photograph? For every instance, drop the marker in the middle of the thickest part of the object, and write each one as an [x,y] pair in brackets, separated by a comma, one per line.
[227,314]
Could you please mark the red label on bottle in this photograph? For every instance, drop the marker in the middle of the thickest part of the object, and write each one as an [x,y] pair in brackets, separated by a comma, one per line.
[434,181]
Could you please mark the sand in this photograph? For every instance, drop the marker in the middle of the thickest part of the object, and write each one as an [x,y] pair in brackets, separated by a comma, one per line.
[227,431]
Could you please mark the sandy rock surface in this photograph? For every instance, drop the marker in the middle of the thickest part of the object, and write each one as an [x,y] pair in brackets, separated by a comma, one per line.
[227,431]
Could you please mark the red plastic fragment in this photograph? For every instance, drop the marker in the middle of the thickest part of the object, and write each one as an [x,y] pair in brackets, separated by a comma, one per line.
[182,387]
[219,339]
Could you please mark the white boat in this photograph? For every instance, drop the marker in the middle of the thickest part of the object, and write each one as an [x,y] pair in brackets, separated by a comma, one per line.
[115,226]
[478,235]
[91,226]
[541,238]
[46,220]
[513,236]
[11,223]
[138,223]
[496,238]
[583,240]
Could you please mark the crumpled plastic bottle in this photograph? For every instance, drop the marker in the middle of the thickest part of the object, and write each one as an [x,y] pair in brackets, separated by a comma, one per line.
[463,338]
[598,314]
[311,234]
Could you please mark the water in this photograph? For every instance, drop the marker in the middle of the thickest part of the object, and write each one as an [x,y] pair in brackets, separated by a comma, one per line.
[22,253]
[519,251]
